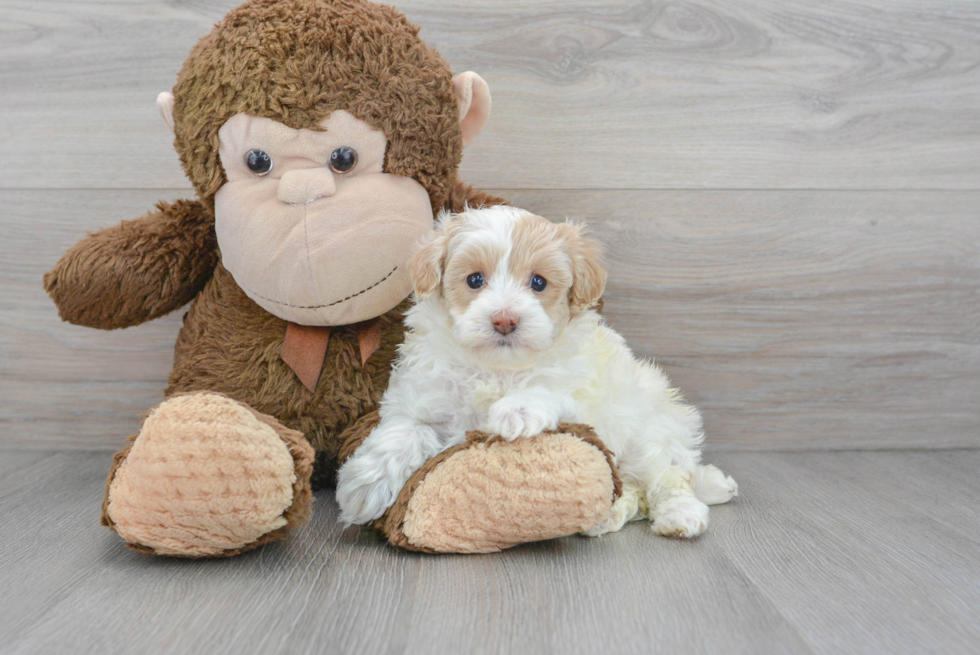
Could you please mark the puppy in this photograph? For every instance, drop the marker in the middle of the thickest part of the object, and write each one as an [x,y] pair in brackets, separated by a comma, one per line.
[502,337]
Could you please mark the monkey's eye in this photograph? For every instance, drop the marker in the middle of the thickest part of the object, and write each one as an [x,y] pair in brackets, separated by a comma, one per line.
[343,159]
[258,162]
[538,283]
[474,280]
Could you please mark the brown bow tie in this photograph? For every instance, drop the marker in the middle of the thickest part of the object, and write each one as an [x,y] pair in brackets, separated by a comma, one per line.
[305,346]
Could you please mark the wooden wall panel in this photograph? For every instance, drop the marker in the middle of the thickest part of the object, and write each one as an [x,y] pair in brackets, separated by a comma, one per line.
[851,94]
[797,320]
[789,191]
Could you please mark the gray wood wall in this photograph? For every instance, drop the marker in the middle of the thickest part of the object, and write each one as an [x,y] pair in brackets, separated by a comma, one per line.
[789,191]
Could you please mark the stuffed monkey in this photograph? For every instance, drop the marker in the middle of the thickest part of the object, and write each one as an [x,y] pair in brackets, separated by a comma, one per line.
[321,136]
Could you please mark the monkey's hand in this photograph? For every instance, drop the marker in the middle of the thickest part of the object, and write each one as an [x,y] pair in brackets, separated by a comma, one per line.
[138,270]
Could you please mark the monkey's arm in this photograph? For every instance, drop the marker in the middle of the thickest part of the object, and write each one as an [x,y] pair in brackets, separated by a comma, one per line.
[138,270]
[465,195]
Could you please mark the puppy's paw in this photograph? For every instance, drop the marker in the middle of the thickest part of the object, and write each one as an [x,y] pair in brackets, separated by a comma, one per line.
[512,417]
[625,509]
[712,486]
[680,516]
[612,523]
[364,490]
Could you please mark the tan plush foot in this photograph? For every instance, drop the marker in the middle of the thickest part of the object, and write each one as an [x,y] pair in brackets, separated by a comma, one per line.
[207,476]
[489,494]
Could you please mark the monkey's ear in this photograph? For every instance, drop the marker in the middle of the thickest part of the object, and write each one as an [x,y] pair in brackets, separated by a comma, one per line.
[473,99]
[165,105]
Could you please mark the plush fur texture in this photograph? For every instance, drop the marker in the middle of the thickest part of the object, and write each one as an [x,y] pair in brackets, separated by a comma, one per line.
[184,491]
[526,506]
[137,271]
[487,494]
[231,345]
[295,62]
[320,56]
[460,369]
[310,226]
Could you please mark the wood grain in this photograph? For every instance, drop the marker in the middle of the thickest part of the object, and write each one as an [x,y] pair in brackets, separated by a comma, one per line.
[824,553]
[795,320]
[830,299]
[803,319]
[856,563]
[851,94]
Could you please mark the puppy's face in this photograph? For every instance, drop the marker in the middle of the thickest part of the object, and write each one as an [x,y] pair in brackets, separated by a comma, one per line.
[510,280]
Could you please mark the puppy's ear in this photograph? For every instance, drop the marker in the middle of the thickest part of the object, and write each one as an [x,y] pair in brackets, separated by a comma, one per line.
[588,274]
[425,266]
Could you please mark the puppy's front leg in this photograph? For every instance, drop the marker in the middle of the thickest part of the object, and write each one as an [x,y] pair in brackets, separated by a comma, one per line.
[527,412]
[369,481]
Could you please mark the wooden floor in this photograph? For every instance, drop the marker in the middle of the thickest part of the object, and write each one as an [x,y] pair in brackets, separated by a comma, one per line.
[861,552]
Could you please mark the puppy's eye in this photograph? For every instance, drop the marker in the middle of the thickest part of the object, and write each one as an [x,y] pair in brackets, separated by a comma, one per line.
[258,162]
[343,159]
[538,283]
[474,280]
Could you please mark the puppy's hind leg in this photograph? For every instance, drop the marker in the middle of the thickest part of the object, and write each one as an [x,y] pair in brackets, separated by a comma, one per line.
[712,486]
[628,507]
[674,508]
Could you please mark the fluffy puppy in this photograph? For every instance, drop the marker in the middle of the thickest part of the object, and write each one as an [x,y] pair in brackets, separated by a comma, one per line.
[503,338]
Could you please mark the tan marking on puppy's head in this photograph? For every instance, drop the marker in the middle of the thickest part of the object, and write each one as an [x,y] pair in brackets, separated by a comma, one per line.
[540,249]
[468,254]
[534,273]
[564,255]
[587,269]
[425,266]
[454,251]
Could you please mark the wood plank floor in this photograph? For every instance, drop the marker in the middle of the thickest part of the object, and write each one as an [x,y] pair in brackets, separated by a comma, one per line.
[872,552]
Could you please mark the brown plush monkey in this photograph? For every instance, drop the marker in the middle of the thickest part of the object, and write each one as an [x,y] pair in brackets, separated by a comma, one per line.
[321,137]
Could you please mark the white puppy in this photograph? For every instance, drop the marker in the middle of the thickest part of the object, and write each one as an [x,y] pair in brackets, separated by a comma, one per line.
[502,338]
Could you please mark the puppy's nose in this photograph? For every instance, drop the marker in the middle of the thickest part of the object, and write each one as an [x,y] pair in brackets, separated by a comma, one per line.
[505,321]
[306,185]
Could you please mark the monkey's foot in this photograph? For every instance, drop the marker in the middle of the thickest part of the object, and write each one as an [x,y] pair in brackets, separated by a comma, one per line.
[489,494]
[208,477]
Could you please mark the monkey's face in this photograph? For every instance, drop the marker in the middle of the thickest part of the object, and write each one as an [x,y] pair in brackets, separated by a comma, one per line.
[309,225]
[316,214]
